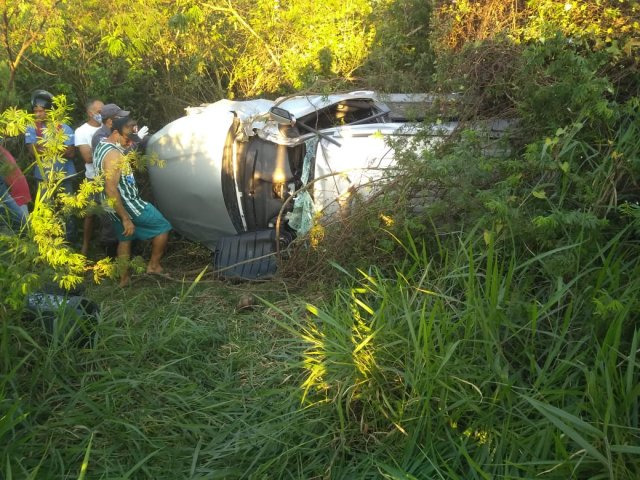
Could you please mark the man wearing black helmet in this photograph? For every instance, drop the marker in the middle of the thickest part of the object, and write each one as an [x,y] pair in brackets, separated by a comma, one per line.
[133,217]
[41,103]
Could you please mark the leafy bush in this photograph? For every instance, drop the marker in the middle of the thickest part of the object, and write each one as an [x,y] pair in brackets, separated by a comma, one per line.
[468,362]
[37,252]
[484,353]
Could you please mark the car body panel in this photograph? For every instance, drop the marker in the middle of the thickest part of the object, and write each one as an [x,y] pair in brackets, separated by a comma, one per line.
[355,165]
[186,186]
[362,161]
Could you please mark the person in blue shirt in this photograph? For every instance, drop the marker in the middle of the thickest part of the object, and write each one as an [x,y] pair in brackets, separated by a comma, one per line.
[41,103]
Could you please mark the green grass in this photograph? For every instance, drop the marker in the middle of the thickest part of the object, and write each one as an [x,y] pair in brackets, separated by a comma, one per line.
[461,363]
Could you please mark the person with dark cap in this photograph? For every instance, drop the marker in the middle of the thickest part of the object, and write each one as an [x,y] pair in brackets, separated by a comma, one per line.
[108,235]
[109,111]
[133,217]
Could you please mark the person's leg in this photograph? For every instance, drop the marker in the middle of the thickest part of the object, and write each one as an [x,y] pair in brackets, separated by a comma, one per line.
[107,237]
[71,231]
[25,210]
[124,253]
[152,225]
[15,213]
[86,234]
[158,246]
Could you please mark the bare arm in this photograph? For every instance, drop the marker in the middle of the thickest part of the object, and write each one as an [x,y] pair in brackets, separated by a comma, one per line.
[85,153]
[31,148]
[112,165]
[69,152]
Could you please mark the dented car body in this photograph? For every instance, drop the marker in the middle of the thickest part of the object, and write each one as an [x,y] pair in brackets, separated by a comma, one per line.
[230,167]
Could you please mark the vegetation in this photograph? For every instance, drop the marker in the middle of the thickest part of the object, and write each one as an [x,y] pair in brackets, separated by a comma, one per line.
[478,320]
[38,252]
[159,57]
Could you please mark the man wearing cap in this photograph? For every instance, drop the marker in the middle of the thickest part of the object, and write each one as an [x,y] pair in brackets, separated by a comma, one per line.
[109,111]
[133,217]
[83,136]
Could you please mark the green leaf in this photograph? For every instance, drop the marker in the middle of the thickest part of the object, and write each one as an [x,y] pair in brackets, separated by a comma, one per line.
[539,194]
[625,449]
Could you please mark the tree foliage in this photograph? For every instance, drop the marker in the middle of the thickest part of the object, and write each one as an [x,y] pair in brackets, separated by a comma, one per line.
[602,22]
[162,56]
[37,252]
[27,27]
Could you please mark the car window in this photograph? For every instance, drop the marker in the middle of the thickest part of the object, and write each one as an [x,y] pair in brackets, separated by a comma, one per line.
[343,113]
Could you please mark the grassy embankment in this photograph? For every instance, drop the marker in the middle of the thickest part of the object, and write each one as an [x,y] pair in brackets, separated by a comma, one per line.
[463,363]
[501,343]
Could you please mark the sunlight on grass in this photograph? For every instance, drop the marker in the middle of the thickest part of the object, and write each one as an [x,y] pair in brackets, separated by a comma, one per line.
[315,361]
[362,336]
[85,460]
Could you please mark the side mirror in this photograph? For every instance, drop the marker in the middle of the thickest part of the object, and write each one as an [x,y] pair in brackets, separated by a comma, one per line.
[281,116]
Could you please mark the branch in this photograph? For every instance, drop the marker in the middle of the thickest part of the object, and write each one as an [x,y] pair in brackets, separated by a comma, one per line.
[38,67]
[242,21]
[34,36]
[5,20]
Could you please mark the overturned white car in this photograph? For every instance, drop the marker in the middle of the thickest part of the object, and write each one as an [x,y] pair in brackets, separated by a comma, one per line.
[229,167]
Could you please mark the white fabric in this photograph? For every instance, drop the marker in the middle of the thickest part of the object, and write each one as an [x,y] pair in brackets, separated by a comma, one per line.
[89,170]
[83,135]
[143,132]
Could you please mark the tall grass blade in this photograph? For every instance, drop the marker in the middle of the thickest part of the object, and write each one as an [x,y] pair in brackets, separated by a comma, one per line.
[138,465]
[85,460]
[194,459]
[450,351]
[195,283]
[556,416]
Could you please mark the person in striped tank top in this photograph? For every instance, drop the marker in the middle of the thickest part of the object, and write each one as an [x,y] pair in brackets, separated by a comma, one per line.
[133,217]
